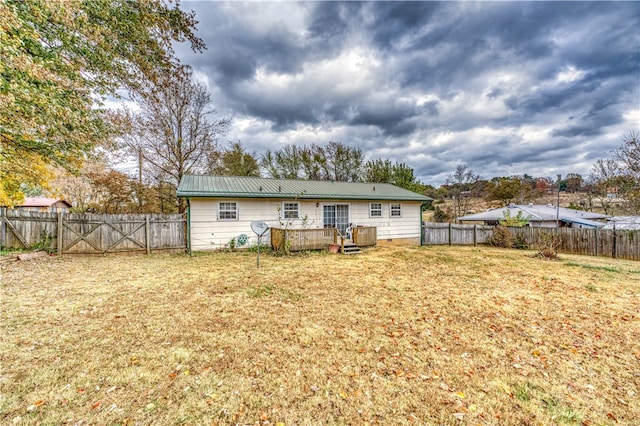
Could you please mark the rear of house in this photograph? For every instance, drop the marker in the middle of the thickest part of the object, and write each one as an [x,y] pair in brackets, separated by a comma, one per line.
[221,208]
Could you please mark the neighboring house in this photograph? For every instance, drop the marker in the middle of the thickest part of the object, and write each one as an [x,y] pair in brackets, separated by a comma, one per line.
[629,223]
[42,204]
[544,216]
[221,208]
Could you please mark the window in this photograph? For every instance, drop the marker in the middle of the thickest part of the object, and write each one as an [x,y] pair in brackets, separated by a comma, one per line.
[227,211]
[290,211]
[396,210]
[375,210]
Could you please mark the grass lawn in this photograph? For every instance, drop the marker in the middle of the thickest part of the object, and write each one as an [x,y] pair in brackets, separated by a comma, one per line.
[397,335]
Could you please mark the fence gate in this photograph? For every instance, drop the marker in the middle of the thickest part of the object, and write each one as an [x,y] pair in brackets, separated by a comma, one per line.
[104,235]
[92,233]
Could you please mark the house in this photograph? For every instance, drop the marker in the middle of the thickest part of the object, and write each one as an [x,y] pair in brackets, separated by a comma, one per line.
[43,204]
[629,223]
[221,208]
[545,216]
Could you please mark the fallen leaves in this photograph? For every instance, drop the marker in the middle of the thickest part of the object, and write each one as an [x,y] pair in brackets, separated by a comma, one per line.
[33,407]
[445,330]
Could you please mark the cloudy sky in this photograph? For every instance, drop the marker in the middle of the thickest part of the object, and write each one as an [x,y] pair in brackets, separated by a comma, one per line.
[543,88]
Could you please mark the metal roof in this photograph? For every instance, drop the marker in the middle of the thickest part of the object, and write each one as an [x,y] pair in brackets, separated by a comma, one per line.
[537,213]
[631,223]
[254,187]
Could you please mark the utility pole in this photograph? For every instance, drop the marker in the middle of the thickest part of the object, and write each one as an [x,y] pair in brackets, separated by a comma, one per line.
[140,166]
[557,242]
[558,204]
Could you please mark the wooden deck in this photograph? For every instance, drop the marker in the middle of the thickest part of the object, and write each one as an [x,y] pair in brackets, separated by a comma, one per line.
[320,239]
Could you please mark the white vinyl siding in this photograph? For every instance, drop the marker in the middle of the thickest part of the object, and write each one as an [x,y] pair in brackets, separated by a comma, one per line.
[227,211]
[375,210]
[207,233]
[395,210]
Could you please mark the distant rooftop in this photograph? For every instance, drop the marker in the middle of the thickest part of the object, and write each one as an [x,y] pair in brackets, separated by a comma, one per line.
[42,202]
[539,213]
[630,223]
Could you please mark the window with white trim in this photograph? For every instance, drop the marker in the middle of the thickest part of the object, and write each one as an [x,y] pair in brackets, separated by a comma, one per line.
[291,210]
[228,211]
[375,210]
[396,210]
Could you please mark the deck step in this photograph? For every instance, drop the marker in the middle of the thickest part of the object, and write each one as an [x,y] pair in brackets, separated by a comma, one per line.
[350,248]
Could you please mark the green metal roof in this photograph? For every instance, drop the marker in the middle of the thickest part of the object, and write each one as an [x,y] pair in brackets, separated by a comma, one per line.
[252,187]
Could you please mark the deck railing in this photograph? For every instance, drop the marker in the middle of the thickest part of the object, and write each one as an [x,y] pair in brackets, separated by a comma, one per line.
[319,238]
[301,239]
[364,236]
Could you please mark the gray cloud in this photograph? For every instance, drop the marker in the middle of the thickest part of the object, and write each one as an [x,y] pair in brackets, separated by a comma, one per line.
[506,87]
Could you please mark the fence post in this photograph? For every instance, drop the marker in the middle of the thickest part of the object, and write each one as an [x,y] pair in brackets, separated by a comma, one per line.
[3,227]
[596,238]
[475,236]
[450,231]
[147,234]
[60,232]
[615,240]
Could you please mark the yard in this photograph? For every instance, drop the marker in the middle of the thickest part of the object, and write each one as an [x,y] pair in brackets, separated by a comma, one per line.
[423,335]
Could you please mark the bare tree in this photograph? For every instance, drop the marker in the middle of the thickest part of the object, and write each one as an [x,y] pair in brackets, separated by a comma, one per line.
[463,187]
[343,163]
[628,155]
[174,134]
[616,180]
[334,161]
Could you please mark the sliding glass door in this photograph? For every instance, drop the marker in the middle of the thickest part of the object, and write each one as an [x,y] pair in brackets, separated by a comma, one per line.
[336,216]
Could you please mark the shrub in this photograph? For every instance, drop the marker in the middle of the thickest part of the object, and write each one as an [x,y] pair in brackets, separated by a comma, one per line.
[441,215]
[502,237]
[45,243]
[548,246]
[520,242]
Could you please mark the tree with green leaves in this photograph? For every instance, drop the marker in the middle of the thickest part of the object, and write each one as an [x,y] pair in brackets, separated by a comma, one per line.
[573,182]
[519,220]
[283,164]
[235,161]
[58,61]
[512,189]
[342,163]
[398,174]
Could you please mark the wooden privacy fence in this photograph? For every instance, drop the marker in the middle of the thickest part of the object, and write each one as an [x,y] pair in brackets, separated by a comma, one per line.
[623,244]
[73,233]
[434,233]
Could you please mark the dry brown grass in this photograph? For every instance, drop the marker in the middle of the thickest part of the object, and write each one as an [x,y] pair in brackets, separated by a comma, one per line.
[430,335]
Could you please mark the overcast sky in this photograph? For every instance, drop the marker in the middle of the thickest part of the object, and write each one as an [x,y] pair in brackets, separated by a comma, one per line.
[507,88]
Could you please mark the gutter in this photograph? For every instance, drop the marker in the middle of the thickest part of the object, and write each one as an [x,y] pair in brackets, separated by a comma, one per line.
[189,227]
